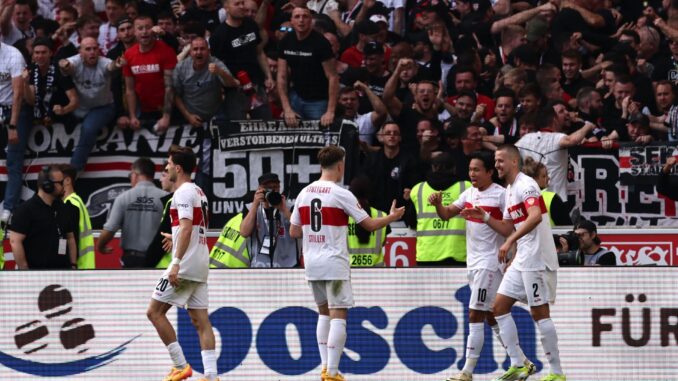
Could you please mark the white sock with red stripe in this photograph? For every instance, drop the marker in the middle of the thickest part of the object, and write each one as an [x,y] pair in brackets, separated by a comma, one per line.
[549,340]
[322,331]
[335,345]
[509,336]
[474,345]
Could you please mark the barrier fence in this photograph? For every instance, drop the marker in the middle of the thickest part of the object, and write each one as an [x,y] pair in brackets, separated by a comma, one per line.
[408,324]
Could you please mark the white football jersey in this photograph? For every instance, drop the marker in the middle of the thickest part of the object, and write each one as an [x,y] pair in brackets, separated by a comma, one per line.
[189,202]
[536,249]
[482,242]
[322,210]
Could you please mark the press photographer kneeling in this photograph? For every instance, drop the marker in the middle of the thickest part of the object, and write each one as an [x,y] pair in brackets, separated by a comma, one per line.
[582,247]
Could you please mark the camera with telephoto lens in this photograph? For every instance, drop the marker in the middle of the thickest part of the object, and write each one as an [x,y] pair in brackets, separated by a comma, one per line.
[274,198]
[571,257]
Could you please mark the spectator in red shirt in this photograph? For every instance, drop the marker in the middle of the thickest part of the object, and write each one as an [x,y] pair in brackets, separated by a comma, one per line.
[467,79]
[148,77]
[367,32]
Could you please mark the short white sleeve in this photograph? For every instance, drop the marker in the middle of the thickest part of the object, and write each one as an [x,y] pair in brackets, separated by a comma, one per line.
[184,205]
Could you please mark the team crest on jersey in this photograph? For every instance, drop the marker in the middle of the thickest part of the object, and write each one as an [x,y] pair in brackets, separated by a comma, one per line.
[530,201]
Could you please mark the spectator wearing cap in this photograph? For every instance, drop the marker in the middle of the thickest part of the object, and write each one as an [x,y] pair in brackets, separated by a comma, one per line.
[589,246]
[306,58]
[238,43]
[148,77]
[373,74]
[108,34]
[637,130]
[396,21]
[125,36]
[368,123]
[367,32]
[267,225]
[51,94]
[91,75]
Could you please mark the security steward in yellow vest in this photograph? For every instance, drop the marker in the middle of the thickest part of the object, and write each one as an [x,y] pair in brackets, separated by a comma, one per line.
[439,242]
[365,248]
[230,250]
[84,237]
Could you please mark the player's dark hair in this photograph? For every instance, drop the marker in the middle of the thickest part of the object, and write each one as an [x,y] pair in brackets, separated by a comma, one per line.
[485,157]
[183,157]
[330,155]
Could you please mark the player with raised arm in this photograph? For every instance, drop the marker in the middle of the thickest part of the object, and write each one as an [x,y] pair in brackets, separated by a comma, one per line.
[184,283]
[321,216]
[531,276]
[482,244]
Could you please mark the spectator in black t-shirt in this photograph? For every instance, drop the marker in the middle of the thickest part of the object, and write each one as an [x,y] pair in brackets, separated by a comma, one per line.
[391,170]
[572,80]
[408,115]
[313,86]
[206,12]
[40,234]
[238,44]
[52,95]
[667,185]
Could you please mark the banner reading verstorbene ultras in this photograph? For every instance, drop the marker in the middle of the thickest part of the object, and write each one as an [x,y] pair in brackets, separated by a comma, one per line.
[408,324]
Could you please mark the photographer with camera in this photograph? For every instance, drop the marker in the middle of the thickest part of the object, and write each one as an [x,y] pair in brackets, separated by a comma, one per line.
[582,247]
[267,225]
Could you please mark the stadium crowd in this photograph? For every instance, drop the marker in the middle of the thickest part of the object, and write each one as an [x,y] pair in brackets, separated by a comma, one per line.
[427,83]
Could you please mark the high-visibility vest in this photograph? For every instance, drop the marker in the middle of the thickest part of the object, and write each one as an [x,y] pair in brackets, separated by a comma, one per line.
[368,254]
[86,257]
[230,250]
[167,258]
[2,248]
[548,199]
[438,239]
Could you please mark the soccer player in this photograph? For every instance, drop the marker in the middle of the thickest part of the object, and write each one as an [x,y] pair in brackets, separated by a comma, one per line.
[482,244]
[531,276]
[321,217]
[184,283]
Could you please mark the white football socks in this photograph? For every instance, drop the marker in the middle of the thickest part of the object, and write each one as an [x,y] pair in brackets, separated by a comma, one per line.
[474,345]
[322,331]
[209,362]
[549,341]
[509,336]
[177,355]
[335,345]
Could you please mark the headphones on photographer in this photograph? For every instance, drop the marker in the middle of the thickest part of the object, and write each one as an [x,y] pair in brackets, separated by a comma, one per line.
[45,182]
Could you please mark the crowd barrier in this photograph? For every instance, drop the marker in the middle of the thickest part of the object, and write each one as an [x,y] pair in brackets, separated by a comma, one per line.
[408,324]
[632,247]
